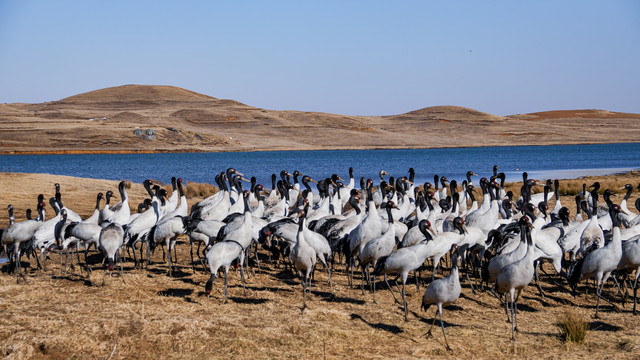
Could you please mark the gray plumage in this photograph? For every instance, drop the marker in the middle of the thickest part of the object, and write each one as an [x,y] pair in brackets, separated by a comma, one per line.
[443,292]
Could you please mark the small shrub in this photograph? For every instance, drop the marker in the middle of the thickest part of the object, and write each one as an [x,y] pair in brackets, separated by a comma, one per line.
[573,327]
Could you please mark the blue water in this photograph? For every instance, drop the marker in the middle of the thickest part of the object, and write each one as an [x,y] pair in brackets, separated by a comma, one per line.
[560,161]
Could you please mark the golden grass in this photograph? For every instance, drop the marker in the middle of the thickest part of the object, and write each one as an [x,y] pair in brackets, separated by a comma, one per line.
[573,327]
[150,315]
[202,190]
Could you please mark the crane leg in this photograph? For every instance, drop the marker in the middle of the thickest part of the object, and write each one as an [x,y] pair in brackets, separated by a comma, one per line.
[193,267]
[170,261]
[44,259]
[17,265]
[513,318]
[404,299]
[515,310]
[330,282]
[135,259]
[395,301]
[635,291]
[148,253]
[244,290]
[78,257]
[304,293]
[470,283]
[507,308]
[374,288]
[121,267]
[442,325]
[226,281]
[428,333]
[66,261]
[175,251]
[204,256]
[86,261]
[535,270]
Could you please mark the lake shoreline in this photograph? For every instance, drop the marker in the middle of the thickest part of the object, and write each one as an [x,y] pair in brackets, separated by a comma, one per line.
[270,149]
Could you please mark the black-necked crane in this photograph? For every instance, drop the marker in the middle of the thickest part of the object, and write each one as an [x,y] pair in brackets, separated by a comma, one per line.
[592,235]
[18,234]
[106,211]
[121,211]
[443,292]
[378,196]
[514,277]
[626,216]
[165,233]
[232,247]
[111,239]
[376,248]
[600,262]
[629,262]
[407,259]
[303,257]
[140,226]
[172,201]
[95,216]
[369,228]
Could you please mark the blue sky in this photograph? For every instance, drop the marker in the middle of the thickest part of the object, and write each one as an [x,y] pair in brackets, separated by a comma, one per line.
[346,57]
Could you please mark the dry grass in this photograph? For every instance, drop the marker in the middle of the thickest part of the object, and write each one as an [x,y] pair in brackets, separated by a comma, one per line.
[202,190]
[149,315]
[573,327]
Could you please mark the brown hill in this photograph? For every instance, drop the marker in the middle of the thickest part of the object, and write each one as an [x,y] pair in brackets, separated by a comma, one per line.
[126,93]
[142,118]
[453,113]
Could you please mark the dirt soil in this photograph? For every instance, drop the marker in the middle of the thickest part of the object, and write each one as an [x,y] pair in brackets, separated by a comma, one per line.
[144,118]
[146,314]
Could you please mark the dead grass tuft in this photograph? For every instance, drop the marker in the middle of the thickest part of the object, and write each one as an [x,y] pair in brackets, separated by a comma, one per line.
[573,327]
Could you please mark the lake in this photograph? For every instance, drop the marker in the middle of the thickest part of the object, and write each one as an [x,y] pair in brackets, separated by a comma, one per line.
[541,162]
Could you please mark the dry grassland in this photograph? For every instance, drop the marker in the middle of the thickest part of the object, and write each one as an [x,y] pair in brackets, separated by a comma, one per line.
[146,314]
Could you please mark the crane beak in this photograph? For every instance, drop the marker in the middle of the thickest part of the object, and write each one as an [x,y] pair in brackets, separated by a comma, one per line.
[313,181]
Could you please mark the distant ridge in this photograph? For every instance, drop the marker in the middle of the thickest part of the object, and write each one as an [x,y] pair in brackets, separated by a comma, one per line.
[452,113]
[115,119]
[127,93]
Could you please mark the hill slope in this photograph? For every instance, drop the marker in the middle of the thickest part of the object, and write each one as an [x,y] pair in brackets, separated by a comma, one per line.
[144,118]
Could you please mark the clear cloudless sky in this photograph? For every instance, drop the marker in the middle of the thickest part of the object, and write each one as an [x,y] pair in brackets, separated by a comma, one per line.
[346,57]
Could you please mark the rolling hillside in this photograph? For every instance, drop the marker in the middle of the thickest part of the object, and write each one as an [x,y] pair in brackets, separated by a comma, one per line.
[144,118]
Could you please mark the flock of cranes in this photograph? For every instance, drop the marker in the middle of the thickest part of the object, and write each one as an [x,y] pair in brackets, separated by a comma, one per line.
[391,228]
